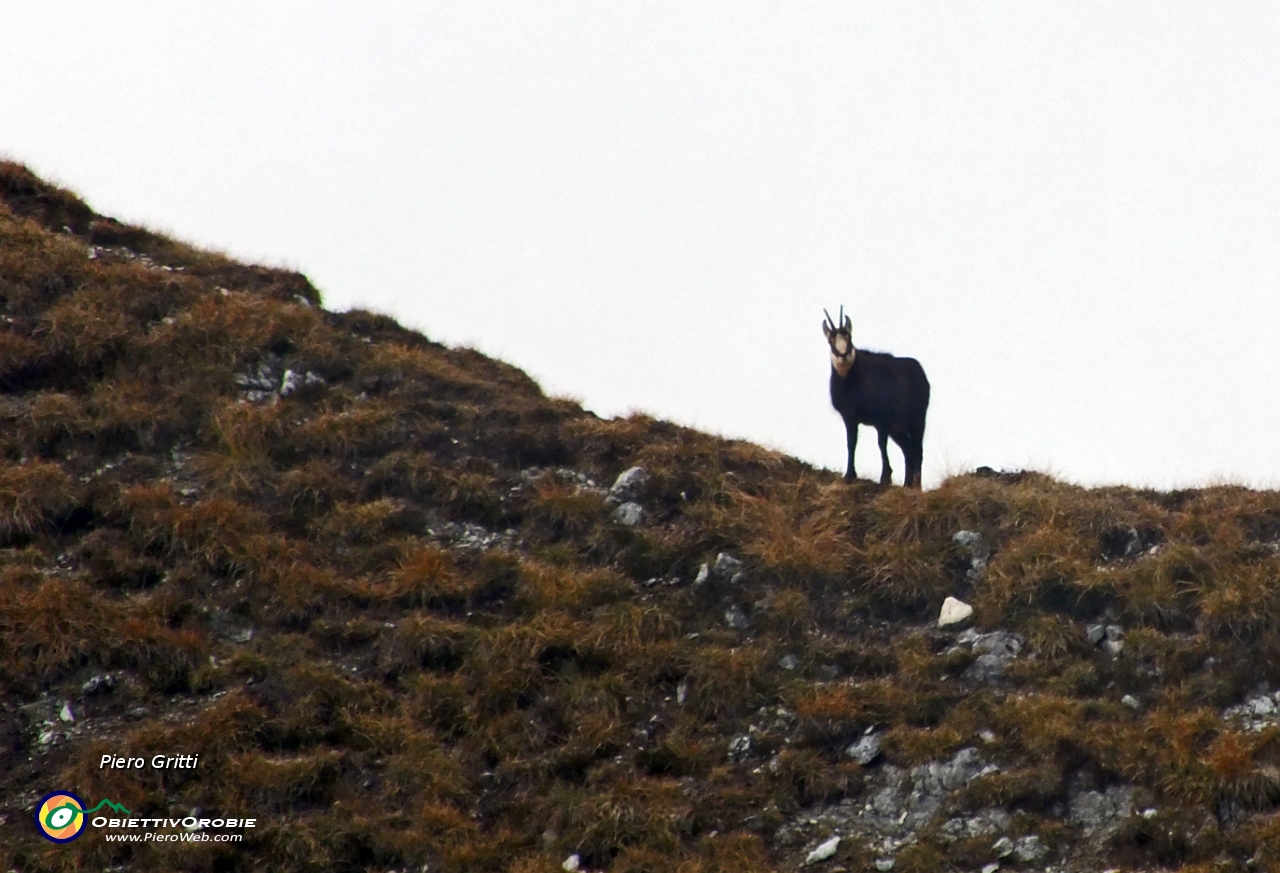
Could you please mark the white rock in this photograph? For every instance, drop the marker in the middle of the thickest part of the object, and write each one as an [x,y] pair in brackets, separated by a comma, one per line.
[571,863]
[954,612]
[66,714]
[824,851]
[884,865]
[991,868]
[704,572]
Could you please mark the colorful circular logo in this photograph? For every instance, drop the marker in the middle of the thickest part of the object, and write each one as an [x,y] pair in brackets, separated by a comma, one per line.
[60,816]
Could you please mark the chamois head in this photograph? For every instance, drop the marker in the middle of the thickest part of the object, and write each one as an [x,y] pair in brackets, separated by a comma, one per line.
[841,340]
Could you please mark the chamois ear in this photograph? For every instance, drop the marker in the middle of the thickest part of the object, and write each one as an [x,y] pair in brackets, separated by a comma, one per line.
[826,330]
[848,324]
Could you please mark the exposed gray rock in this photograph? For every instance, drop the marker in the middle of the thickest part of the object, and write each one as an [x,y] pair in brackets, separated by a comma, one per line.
[1095,634]
[97,684]
[995,650]
[788,662]
[465,535]
[1101,811]
[1029,849]
[1113,647]
[726,567]
[740,747]
[704,573]
[629,514]
[865,750]
[292,381]
[1130,701]
[736,618]
[260,383]
[898,804]
[1257,713]
[989,821]
[1003,847]
[628,485]
[979,551]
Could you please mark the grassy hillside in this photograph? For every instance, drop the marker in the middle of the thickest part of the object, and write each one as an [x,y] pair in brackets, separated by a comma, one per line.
[380,587]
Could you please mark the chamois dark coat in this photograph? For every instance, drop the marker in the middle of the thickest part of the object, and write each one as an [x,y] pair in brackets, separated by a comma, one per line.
[889,393]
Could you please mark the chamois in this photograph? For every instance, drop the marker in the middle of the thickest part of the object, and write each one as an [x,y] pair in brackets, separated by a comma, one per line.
[891,394]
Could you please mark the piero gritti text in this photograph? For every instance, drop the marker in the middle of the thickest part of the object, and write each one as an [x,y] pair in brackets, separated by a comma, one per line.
[155,762]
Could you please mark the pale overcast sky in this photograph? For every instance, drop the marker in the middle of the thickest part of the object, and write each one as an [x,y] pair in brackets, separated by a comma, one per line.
[1068,212]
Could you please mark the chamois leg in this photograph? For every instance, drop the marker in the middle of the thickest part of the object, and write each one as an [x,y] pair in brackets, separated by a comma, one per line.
[851,438]
[886,472]
[914,451]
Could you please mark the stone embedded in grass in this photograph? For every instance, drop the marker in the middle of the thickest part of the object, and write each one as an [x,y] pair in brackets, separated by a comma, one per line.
[629,514]
[1130,701]
[824,851]
[1003,847]
[628,485]
[571,864]
[865,750]
[1095,633]
[994,650]
[788,662]
[884,865]
[1101,811]
[982,824]
[292,381]
[1029,849]
[726,567]
[704,573]
[739,747]
[66,714]
[1257,713]
[736,618]
[95,684]
[954,612]
[979,551]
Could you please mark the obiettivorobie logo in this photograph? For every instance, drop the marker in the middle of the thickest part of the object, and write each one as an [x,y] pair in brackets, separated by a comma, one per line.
[60,815]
